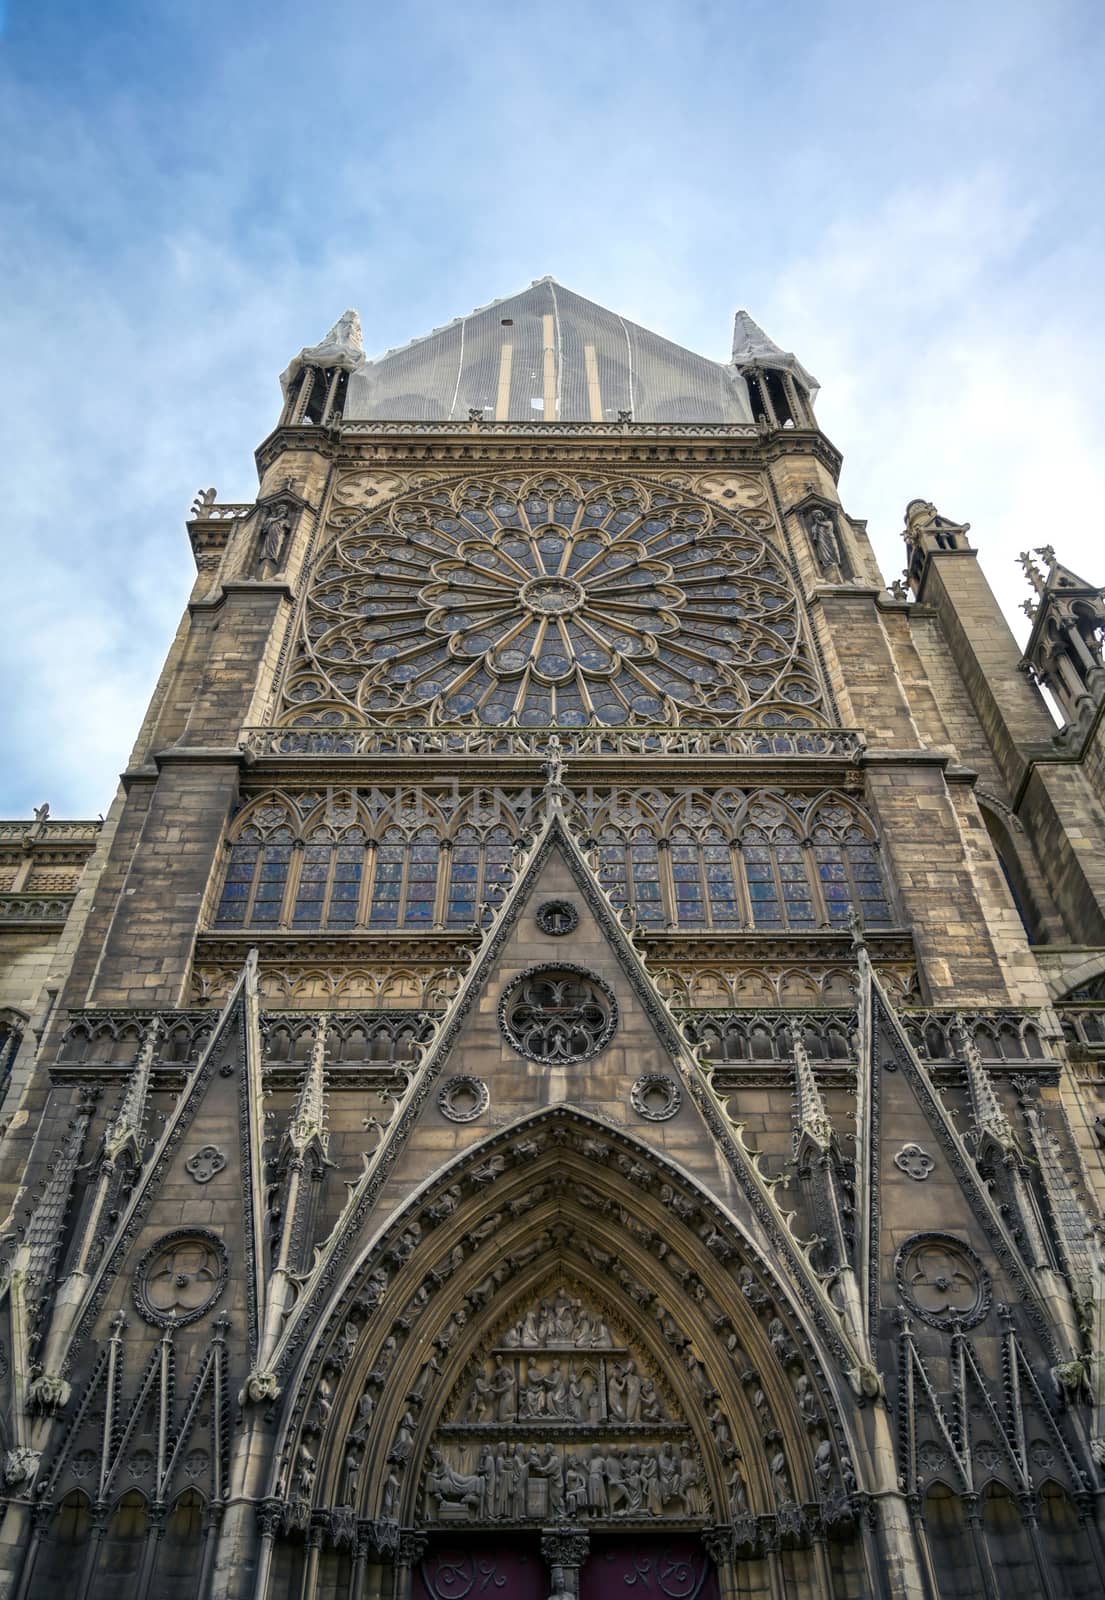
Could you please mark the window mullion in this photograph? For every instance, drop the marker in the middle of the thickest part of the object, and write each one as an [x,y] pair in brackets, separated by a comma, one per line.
[291,885]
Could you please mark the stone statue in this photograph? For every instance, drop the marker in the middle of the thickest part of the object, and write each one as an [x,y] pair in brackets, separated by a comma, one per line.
[823,537]
[479,1401]
[503,1388]
[275,528]
[575,1486]
[632,1392]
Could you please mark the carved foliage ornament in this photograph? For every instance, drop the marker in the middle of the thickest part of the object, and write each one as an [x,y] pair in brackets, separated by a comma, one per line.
[557,917]
[558,1014]
[655,1096]
[180,1277]
[942,1280]
[463,1098]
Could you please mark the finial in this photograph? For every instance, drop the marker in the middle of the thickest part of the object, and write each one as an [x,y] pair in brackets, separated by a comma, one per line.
[1032,571]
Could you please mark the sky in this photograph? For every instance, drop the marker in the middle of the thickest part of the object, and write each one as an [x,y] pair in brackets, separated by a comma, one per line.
[908,197]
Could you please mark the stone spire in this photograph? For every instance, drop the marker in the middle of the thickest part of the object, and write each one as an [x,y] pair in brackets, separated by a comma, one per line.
[38,1253]
[307,1127]
[990,1119]
[811,1116]
[123,1134]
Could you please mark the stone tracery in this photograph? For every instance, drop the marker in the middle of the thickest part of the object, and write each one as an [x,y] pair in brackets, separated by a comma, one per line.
[553,602]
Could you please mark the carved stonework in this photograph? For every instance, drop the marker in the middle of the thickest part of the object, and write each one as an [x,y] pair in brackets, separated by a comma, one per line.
[914,1162]
[558,1014]
[942,1280]
[562,1418]
[463,1098]
[206,1163]
[557,917]
[655,1096]
[180,1277]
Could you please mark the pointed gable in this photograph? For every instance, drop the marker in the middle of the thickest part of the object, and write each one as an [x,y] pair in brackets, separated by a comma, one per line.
[546,355]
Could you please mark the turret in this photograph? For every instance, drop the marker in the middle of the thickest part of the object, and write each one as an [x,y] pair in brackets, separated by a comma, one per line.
[315,381]
[780,390]
[1064,652]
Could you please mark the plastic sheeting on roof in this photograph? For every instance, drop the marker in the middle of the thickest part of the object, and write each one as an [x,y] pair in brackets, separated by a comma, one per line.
[545,355]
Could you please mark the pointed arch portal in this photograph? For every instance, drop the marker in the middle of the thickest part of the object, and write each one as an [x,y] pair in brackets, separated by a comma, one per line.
[562,1331]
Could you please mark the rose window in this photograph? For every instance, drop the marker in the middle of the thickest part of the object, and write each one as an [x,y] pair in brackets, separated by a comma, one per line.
[552,605]
[558,1014]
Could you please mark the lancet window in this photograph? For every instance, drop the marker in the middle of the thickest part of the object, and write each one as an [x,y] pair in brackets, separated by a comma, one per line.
[734,859]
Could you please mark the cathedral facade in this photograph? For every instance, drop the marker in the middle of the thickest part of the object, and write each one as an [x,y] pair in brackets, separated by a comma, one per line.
[572,1066]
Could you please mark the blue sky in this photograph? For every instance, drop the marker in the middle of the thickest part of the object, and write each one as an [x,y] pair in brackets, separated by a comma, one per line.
[910,198]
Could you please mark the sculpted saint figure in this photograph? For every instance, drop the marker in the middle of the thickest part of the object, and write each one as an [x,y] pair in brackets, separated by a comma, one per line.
[596,1481]
[575,1486]
[632,1392]
[479,1401]
[503,1388]
[615,1393]
[556,1393]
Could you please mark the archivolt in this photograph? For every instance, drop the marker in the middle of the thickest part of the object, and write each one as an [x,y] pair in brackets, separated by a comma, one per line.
[561,1190]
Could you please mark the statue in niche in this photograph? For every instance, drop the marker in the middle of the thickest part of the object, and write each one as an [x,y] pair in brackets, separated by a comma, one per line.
[306,1467]
[389,1499]
[276,525]
[823,1463]
[354,1455]
[366,1405]
[823,537]
[808,1408]
[403,1443]
[503,1388]
[738,1494]
[347,1344]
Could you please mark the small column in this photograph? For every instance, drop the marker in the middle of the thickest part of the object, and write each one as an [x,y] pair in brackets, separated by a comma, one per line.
[721,1546]
[315,1535]
[270,1515]
[565,1549]
[412,1547]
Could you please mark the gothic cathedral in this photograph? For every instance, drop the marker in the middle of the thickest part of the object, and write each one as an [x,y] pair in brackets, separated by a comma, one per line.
[573,1066]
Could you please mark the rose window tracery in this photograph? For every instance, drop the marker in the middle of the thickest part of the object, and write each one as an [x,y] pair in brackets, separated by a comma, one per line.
[552,604]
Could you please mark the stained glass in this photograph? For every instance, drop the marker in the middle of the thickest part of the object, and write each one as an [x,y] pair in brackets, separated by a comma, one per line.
[574,609]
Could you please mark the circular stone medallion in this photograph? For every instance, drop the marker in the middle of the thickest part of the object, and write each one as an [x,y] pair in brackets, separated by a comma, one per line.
[463,1098]
[942,1280]
[558,1014]
[557,917]
[655,1096]
[180,1277]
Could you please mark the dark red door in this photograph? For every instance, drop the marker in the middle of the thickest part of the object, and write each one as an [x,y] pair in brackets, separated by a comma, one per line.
[481,1569]
[648,1567]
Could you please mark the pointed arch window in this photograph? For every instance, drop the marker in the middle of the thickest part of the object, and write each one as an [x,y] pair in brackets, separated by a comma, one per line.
[256,879]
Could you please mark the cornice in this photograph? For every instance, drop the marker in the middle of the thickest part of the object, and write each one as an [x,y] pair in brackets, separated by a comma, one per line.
[511,443]
[392,946]
[233,586]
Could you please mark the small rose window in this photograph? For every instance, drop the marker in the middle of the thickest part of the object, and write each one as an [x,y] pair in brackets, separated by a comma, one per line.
[558,1014]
